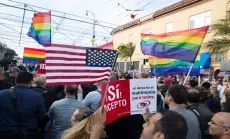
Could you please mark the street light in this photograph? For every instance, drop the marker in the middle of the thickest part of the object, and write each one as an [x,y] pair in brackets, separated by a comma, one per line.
[94,21]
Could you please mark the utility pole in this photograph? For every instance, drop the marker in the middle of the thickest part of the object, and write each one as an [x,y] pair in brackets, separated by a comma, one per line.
[94,22]
[24,12]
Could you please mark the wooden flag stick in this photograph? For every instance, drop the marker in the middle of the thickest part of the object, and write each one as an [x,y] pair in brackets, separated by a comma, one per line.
[188,74]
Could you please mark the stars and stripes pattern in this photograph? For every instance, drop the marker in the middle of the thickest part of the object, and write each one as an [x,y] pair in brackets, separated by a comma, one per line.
[67,65]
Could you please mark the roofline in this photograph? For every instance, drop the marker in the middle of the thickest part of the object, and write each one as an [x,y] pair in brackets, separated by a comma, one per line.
[159,13]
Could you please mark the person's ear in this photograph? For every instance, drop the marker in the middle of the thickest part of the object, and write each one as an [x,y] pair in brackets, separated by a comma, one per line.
[226,131]
[170,97]
[158,135]
[65,91]
[30,83]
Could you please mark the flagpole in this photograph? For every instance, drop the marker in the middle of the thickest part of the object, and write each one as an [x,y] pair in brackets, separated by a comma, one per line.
[107,84]
[50,28]
[155,67]
[191,66]
[188,73]
[118,72]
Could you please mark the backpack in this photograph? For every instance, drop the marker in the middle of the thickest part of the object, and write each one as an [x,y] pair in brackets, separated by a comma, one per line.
[49,97]
[204,133]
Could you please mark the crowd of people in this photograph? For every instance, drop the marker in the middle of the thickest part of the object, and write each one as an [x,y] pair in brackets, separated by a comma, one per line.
[31,110]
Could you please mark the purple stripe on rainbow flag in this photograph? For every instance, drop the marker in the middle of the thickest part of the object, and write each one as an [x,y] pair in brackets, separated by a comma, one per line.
[181,45]
[159,50]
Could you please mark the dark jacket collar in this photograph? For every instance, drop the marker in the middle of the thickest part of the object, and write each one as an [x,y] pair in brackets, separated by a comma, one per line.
[21,86]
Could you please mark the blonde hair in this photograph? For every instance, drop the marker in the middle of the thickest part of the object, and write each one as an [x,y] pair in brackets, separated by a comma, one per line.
[81,130]
[226,92]
[78,115]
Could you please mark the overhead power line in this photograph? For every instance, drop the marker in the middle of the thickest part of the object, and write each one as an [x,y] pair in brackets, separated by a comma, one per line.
[103,5]
[61,12]
[14,29]
[141,9]
[131,9]
[82,21]
[60,28]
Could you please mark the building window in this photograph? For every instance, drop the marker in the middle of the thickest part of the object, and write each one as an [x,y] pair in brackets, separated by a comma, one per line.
[207,22]
[121,66]
[136,65]
[219,57]
[200,20]
[169,27]
[127,65]
[145,61]
[192,24]
[130,38]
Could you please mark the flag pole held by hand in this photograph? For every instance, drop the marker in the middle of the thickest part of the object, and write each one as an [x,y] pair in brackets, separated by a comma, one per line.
[107,84]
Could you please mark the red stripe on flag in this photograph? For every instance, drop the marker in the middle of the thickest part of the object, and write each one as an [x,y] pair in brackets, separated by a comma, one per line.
[90,71]
[75,77]
[63,64]
[65,52]
[75,83]
[64,58]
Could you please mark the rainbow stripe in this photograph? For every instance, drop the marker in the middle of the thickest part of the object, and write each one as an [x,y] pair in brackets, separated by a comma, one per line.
[40,29]
[32,55]
[181,45]
[106,46]
[165,66]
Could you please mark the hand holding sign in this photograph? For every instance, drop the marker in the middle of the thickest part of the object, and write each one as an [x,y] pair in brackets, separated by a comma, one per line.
[147,115]
[99,117]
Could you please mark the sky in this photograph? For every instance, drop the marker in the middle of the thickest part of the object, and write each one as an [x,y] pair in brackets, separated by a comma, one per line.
[108,13]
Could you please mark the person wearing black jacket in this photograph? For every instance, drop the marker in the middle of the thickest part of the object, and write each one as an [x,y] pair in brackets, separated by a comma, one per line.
[13,73]
[214,103]
[4,84]
[48,94]
[202,112]
[227,105]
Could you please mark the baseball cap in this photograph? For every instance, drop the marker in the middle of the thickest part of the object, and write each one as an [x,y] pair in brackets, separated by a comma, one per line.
[14,69]
[167,80]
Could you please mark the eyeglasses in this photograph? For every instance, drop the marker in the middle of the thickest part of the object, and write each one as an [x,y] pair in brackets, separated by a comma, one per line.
[211,122]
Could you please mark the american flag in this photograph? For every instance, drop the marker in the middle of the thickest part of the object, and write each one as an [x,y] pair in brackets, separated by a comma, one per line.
[67,65]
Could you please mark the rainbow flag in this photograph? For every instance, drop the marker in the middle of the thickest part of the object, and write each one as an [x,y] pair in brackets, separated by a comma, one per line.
[181,45]
[106,46]
[40,29]
[33,55]
[166,66]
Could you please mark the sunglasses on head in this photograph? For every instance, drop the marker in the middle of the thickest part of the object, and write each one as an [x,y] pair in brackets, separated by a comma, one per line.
[87,114]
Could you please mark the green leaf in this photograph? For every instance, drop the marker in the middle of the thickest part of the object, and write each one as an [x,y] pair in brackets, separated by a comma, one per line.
[221,40]
[217,45]
[126,51]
